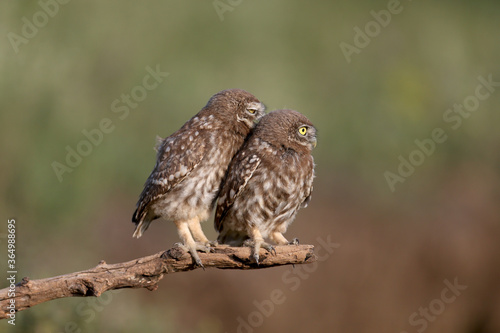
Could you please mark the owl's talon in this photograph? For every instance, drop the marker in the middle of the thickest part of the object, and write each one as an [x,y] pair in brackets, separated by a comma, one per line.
[203,248]
[193,253]
[256,246]
[256,257]
[294,241]
[196,258]
[269,248]
[209,249]
[199,263]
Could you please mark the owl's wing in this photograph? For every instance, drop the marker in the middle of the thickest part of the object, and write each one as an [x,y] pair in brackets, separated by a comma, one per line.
[306,201]
[177,157]
[309,187]
[239,174]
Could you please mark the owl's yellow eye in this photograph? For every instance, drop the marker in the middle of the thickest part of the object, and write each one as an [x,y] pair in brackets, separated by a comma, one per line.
[303,130]
[252,111]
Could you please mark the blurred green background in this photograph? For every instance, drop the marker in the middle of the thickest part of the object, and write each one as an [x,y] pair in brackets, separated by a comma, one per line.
[395,248]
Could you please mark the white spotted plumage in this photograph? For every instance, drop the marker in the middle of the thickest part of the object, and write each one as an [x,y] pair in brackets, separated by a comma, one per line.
[191,164]
[268,181]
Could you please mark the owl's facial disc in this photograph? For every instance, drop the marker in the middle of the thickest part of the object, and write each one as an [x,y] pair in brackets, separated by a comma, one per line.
[254,111]
[306,135]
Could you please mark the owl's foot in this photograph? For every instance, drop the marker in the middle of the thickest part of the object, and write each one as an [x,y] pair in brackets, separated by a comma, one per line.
[256,245]
[294,241]
[269,248]
[204,247]
[192,250]
[193,239]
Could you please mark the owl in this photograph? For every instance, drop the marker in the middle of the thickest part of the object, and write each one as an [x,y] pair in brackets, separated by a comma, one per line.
[267,182]
[191,164]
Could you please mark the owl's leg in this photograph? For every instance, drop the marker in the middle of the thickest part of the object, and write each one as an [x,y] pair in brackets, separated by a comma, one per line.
[256,241]
[188,242]
[279,239]
[198,235]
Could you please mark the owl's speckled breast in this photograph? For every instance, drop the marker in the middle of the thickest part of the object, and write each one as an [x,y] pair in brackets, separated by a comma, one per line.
[275,193]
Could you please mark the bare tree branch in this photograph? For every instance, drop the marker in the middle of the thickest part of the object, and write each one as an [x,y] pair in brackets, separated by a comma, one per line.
[143,272]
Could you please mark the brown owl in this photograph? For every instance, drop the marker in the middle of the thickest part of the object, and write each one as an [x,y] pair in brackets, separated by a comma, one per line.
[191,164]
[267,182]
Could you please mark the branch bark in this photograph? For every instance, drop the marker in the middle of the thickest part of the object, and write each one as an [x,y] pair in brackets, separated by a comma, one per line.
[143,272]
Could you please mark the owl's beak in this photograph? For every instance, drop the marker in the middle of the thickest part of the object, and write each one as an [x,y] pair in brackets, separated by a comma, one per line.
[314,142]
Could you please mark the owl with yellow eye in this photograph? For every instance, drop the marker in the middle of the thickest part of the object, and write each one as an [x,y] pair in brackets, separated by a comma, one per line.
[267,182]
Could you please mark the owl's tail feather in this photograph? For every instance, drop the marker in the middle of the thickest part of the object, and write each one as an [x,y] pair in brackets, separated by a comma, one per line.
[141,227]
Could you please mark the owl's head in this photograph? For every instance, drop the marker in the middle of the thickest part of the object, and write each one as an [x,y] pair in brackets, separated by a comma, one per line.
[239,106]
[288,129]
